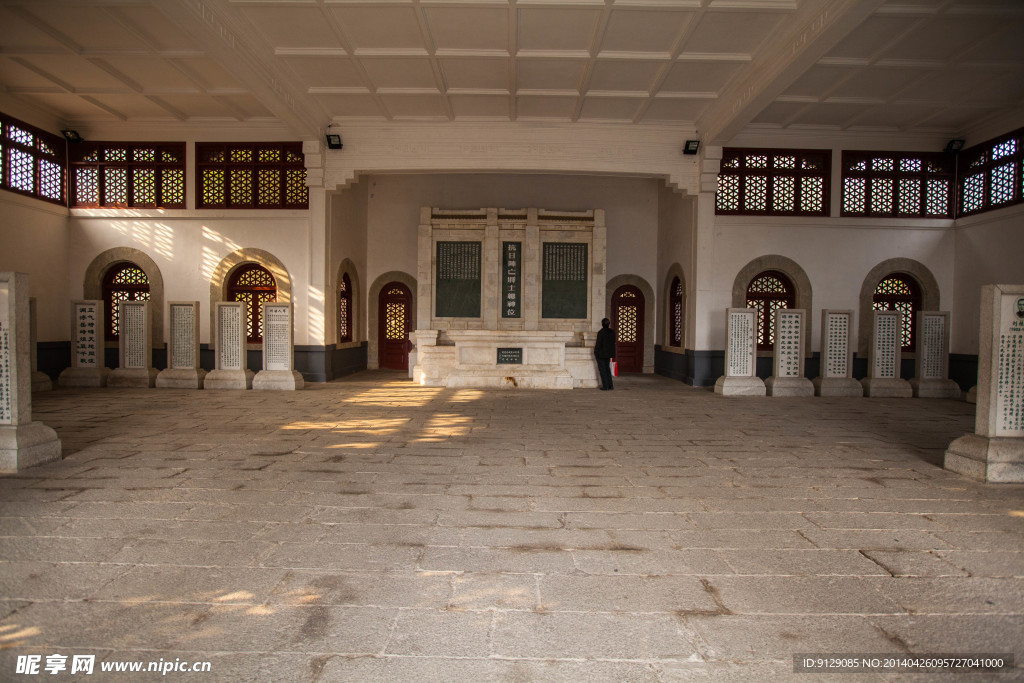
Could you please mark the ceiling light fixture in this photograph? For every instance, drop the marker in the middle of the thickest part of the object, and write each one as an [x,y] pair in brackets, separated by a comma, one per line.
[954,145]
[333,139]
[691,146]
[71,135]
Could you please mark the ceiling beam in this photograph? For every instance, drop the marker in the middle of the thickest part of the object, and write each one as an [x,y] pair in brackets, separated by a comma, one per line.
[815,28]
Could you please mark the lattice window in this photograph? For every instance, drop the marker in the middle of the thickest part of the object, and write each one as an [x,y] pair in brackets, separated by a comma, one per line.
[20,171]
[898,184]
[627,324]
[123,281]
[676,294]
[254,286]
[32,161]
[251,175]
[394,320]
[767,292]
[129,175]
[899,292]
[345,309]
[774,182]
[994,175]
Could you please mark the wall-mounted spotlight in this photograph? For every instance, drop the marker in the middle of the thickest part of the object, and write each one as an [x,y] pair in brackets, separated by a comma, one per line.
[954,145]
[691,146]
[71,135]
[333,140]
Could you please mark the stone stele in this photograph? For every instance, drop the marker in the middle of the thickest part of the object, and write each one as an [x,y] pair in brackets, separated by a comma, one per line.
[135,347]
[836,377]
[183,371]
[740,378]
[278,373]
[231,371]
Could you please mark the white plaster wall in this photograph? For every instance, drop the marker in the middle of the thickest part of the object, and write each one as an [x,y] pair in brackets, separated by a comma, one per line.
[989,251]
[348,241]
[34,240]
[188,245]
[631,206]
[675,245]
[835,253]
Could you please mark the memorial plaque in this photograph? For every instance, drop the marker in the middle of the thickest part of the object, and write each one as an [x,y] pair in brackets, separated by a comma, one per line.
[229,332]
[183,336]
[788,342]
[887,340]
[86,333]
[836,352]
[458,280]
[6,360]
[740,347]
[510,356]
[511,285]
[930,346]
[132,327]
[277,337]
[564,280]
[1008,373]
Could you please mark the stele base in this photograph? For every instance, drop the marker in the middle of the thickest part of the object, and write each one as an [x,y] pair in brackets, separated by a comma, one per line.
[41,382]
[84,377]
[837,386]
[132,378]
[989,459]
[788,386]
[187,378]
[740,386]
[972,395]
[884,387]
[25,445]
[228,379]
[935,388]
[277,380]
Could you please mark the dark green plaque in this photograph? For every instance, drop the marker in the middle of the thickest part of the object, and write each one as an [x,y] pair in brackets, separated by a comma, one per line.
[511,285]
[510,356]
[458,280]
[564,280]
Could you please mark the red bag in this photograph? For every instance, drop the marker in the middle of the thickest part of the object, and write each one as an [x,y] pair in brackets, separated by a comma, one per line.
[615,368]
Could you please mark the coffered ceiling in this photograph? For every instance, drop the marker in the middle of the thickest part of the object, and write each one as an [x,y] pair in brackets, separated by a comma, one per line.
[718,66]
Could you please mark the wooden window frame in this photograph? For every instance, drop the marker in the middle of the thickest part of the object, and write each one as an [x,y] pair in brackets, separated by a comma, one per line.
[253,319]
[58,156]
[915,298]
[108,288]
[978,162]
[744,170]
[101,158]
[215,156]
[863,166]
[769,315]
[676,313]
[345,297]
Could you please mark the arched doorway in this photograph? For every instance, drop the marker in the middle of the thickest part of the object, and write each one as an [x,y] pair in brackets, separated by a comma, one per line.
[253,285]
[394,317]
[628,322]
[124,281]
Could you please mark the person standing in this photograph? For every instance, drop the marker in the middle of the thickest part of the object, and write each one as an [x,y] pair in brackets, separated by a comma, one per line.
[604,351]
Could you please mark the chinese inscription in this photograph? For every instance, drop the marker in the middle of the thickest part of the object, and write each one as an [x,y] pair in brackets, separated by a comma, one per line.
[85,334]
[787,342]
[740,344]
[510,356]
[133,321]
[277,337]
[887,340]
[837,345]
[1009,370]
[932,333]
[229,333]
[565,261]
[5,374]
[183,331]
[458,260]
[511,287]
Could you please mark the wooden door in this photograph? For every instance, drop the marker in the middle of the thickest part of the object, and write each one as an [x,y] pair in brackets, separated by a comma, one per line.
[628,321]
[394,316]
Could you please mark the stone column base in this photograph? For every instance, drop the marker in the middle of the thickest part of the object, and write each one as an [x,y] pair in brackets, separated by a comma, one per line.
[277,380]
[190,378]
[935,388]
[991,459]
[972,395]
[84,377]
[25,445]
[740,386]
[788,386]
[883,387]
[41,382]
[837,386]
[133,378]
[228,379]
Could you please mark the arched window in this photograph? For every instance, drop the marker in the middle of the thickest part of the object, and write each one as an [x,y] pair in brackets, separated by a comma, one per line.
[345,309]
[899,292]
[253,285]
[676,311]
[767,292]
[124,281]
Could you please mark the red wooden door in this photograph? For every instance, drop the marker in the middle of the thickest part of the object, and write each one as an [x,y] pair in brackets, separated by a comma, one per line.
[394,317]
[628,321]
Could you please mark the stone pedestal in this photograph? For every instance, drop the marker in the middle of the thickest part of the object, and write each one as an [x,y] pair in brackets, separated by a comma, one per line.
[931,379]
[788,357]
[87,368]
[884,357]
[229,330]
[836,378]
[23,443]
[278,372]
[183,371]
[740,356]
[972,395]
[995,452]
[135,347]
[40,380]
[837,386]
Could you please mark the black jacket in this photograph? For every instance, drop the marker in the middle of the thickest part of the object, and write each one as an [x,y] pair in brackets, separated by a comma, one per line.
[605,346]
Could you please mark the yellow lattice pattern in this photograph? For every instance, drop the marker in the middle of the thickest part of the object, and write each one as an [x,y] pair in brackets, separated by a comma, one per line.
[627,324]
[394,321]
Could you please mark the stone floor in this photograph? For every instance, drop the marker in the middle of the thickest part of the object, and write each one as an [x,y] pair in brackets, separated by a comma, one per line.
[372,530]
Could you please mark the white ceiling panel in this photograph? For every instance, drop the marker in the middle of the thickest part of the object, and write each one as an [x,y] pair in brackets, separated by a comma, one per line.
[159,31]
[16,31]
[13,74]
[201,106]
[941,38]
[627,76]
[82,74]
[559,108]
[293,26]
[549,74]
[464,28]
[829,114]
[415,106]
[779,113]
[732,32]
[89,26]
[557,29]
[379,27]
[876,82]
[700,76]
[818,80]
[247,105]
[136,106]
[675,110]
[480,106]
[351,106]
[335,72]
[609,109]
[411,72]
[894,116]
[644,31]
[210,73]
[872,36]
[146,70]
[72,107]
[477,74]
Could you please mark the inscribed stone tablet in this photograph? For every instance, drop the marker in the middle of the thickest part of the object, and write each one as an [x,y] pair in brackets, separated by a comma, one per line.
[510,356]
[511,285]
[887,336]
[85,318]
[6,358]
[132,326]
[933,365]
[183,326]
[277,335]
[741,344]
[564,280]
[229,331]
[837,354]
[788,342]
[1009,367]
